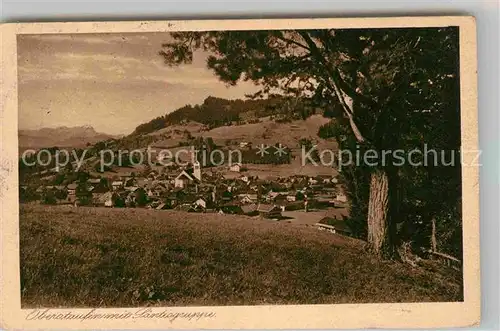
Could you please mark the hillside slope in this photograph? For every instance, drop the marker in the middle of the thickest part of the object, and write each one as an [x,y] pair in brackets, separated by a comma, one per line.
[265,132]
[84,257]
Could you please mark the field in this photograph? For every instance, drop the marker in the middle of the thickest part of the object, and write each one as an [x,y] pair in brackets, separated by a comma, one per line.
[81,257]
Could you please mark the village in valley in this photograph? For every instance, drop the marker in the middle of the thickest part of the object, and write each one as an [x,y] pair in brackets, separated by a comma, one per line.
[189,187]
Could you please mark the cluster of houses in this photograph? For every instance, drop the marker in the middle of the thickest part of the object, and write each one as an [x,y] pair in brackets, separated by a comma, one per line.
[192,190]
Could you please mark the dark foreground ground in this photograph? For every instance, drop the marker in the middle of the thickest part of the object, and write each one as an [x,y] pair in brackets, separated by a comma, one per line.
[82,257]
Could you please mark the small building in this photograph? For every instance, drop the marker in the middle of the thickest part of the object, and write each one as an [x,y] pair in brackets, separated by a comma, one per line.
[322,201]
[104,199]
[155,190]
[163,159]
[227,196]
[159,189]
[250,209]
[197,171]
[136,197]
[245,179]
[94,181]
[235,167]
[312,181]
[183,180]
[172,200]
[341,197]
[72,188]
[280,198]
[334,225]
[230,208]
[316,188]
[186,207]
[271,196]
[126,175]
[83,197]
[116,185]
[291,198]
[269,211]
[246,198]
[200,202]
[132,188]
[142,182]
[100,187]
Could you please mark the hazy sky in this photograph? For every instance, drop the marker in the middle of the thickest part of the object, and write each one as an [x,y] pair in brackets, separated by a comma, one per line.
[112,82]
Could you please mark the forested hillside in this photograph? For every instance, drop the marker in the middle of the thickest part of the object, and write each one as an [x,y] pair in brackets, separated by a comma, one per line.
[215,112]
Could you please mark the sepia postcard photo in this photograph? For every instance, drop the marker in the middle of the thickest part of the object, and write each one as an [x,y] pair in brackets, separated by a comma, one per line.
[223,174]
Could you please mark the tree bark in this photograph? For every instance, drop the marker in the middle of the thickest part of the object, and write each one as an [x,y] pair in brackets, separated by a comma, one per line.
[379,214]
[355,129]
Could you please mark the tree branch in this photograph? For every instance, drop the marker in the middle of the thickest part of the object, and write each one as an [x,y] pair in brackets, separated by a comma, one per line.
[291,41]
[333,82]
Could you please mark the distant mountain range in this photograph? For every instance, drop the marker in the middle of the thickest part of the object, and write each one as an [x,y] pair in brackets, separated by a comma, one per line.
[76,137]
[274,120]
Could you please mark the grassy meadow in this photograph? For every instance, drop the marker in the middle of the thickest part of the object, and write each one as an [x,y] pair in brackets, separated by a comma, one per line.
[87,257]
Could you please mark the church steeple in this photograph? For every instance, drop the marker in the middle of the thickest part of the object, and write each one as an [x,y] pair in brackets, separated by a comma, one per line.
[197,170]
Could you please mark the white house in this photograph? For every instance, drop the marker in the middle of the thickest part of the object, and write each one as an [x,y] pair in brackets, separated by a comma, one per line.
[197,170]
[248,198]
[245,179]
[235,167]
[94,181]
[183,179]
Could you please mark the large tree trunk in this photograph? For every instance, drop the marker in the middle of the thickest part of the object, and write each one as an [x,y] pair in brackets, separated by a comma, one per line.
[379,214]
